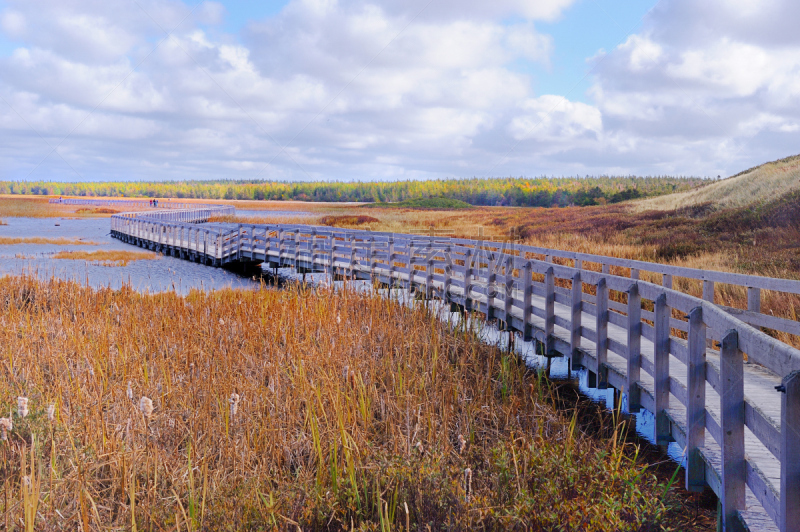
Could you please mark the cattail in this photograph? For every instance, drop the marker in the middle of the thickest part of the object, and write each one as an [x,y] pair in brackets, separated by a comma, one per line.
[146,406]
[345,372]
[129,393]
[462,444]
[51,413]
[468,483]
[22,406]
[5,425]
[234,403]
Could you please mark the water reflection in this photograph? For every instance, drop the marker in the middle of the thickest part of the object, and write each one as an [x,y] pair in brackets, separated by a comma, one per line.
[165,273]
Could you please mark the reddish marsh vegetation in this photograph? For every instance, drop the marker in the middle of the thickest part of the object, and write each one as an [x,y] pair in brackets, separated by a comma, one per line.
[270,409]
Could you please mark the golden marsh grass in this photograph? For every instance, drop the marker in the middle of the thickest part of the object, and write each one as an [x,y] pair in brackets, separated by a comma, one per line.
[287,410]
[8,241]
[107,258]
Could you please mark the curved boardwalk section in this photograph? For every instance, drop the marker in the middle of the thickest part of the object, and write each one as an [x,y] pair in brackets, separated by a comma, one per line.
[718,386]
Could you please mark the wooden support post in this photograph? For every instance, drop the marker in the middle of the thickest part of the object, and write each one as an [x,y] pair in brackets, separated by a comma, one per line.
[468,281]
[666,280]
[527,299]
[601,324]
[448,275]
[331,259]
[575,316]
[296,248]
[352,257]
[549,309]
[508,296]
[314,248]
[661,364]
[634,348]
[239,238]
[635,274]
[605,268]
[429,276]
[708,291]
[491,289]
[391,262]
[753,299]
[410,266]
[790,454]
[577,264]
[734,471]
[696,401]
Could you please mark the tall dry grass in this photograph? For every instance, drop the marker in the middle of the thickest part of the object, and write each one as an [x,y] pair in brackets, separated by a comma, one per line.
[61,241]
[287,410]
[107,258]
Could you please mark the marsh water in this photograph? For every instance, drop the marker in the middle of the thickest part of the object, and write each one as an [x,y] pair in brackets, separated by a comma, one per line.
[169,273]
[161,274]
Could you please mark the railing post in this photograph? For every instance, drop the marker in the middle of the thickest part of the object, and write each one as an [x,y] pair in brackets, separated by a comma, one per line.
[491,289]
[391,262]
[373,263]
[753,299]
[330,259]
[708,291]
[634,347]
[575,317]
[790,454]
[296,248]
[696,401]
[468,280]
[601,326]
[635,274]
[508,298]
[448,273]
[239,243]
[661,365]
[410,267]
[549,309]
[527,300]
[429,275]
[731,377]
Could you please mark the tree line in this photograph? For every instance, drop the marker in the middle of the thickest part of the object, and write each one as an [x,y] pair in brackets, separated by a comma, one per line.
[510,191]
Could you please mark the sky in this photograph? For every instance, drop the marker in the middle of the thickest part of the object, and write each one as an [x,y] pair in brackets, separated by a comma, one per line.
[98,90]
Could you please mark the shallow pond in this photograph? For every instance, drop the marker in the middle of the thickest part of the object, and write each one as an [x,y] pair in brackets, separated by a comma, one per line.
[164,273]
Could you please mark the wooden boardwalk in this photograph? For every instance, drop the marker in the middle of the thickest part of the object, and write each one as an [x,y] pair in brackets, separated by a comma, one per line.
[680,357]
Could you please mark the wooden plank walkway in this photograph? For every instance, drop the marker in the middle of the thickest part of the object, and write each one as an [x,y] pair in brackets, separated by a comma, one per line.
[680,357]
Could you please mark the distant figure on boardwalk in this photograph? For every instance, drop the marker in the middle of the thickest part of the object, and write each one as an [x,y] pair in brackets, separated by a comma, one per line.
[156,202]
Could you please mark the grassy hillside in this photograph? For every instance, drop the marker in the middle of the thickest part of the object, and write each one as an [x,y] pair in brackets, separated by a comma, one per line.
[762,184]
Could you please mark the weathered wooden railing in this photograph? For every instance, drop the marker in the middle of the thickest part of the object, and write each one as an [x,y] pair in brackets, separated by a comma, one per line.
[678,356]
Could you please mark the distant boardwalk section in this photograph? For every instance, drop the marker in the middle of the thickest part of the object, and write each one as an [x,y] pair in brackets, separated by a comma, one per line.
[678,356]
